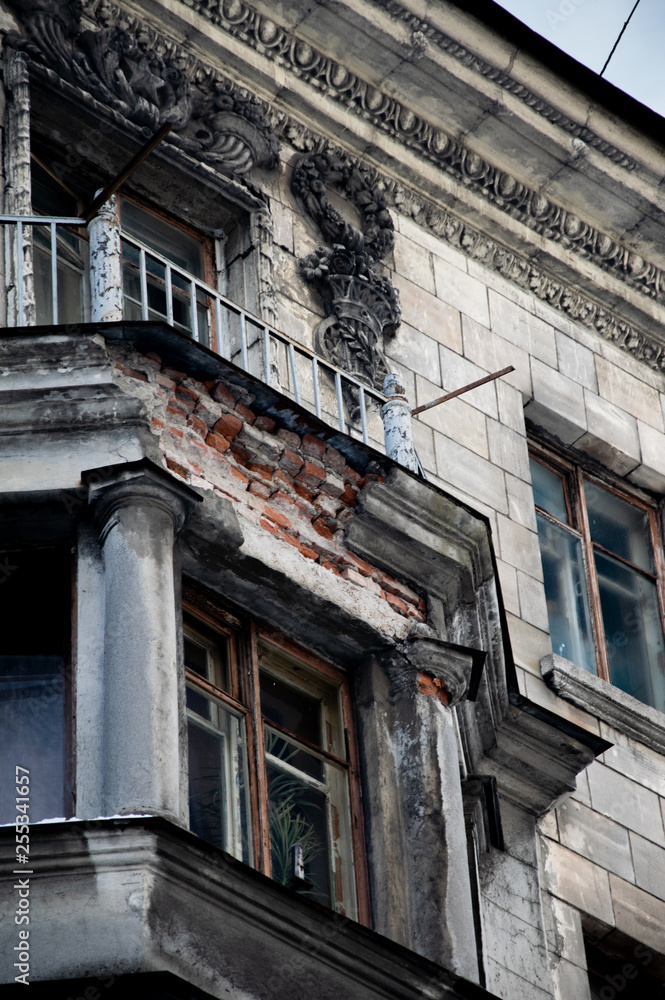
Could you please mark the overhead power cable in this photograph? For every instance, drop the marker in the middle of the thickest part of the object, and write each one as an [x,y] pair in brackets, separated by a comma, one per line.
[620,37]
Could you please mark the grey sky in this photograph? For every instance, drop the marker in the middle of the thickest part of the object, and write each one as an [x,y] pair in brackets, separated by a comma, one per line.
[587,30]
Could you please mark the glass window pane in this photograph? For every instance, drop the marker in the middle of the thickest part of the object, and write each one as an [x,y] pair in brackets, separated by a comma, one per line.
[633,631]
[218,786]
[295,710]
[168,240]
[287,751]
[298,816]
[32,712]
[619,526]
[566,593]
[548,492]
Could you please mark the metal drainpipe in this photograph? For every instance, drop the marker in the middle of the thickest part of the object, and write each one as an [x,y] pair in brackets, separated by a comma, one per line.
[396,416]
[105,265]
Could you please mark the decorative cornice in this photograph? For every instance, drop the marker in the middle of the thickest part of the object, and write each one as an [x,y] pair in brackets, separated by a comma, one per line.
[430,34]
[472,243]
[533,209]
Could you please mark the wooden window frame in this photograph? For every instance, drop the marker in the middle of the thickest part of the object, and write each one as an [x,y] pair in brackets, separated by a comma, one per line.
[573,475]
[244,637]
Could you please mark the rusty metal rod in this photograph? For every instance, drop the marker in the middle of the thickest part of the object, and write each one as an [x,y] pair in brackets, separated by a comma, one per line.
[465,388]
[120,178]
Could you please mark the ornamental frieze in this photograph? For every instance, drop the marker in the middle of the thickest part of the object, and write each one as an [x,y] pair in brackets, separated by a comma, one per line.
[128,68]
[362,306]
[562,297]
[533,209]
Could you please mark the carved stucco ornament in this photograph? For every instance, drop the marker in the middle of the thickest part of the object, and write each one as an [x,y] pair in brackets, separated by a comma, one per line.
[119,65]
[362,306]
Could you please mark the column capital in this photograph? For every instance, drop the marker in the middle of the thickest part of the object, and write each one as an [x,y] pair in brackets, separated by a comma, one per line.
[424,651]
[128,484]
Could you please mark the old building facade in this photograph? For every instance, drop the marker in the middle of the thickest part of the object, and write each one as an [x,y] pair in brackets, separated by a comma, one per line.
[284,714]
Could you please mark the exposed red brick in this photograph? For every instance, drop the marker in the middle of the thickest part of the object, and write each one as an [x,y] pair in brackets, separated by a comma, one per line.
[272,528]
[281,477]
[240,476]
[283,498]
[333,486]
[321,528]
[349,496]
[347,559]
[352,576]
[258,489]
[164,380]
[290,439]
[395,587]
[157,424]
[265,423]
[432,686]
[396,603]
[176,467]
[311,475]
[174,374]
[176,431]
[352,476]
[313,446]
[154,357]
[186,397]
[240,454]
[418,615]
[309,553]
[229,425]
[222,395]
[197,425]
[307,507]
[175,409]
[290,462]
[285,536]
[265,471]
[371,478]
[327,564]
[245,413]
[334,459]
[276,516]
[133,373]
[217,442]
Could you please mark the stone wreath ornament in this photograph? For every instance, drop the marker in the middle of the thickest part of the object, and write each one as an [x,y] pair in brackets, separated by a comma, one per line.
[362,306]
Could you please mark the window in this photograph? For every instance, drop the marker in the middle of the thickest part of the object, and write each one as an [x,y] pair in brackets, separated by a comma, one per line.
[272,771]
[602,563]
[168,292]
[34,663]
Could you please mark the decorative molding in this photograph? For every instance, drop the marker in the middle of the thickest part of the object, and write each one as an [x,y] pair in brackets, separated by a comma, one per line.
[434,36]
[533,209]
[566,299]
[605,701]
[129,68]
[361,305]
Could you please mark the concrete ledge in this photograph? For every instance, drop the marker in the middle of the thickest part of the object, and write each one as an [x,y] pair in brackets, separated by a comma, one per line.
[609,703]
[140,895]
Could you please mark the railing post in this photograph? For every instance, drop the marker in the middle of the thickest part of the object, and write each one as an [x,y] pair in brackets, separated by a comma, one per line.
[396,416]
[105,265]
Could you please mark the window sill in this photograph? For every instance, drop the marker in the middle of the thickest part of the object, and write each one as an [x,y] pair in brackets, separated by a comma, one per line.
[613,706]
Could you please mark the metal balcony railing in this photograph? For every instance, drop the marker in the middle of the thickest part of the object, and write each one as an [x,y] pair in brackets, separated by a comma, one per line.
[47,271]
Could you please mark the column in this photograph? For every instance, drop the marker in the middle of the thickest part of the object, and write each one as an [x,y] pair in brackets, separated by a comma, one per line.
[418,860]
[105,265]
[138,509]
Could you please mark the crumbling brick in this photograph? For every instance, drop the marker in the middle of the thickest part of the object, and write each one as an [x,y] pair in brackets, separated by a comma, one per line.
[313,446]
[222,395]
[247,415]
[290,439]
[217,442]
[228,425]
[311,475]
[265,423]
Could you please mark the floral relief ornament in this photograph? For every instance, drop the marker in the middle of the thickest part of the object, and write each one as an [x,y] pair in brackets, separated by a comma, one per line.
[362,306]
[146,80]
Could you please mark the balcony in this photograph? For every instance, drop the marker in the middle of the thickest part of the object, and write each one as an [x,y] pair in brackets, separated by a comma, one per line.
[62,271]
